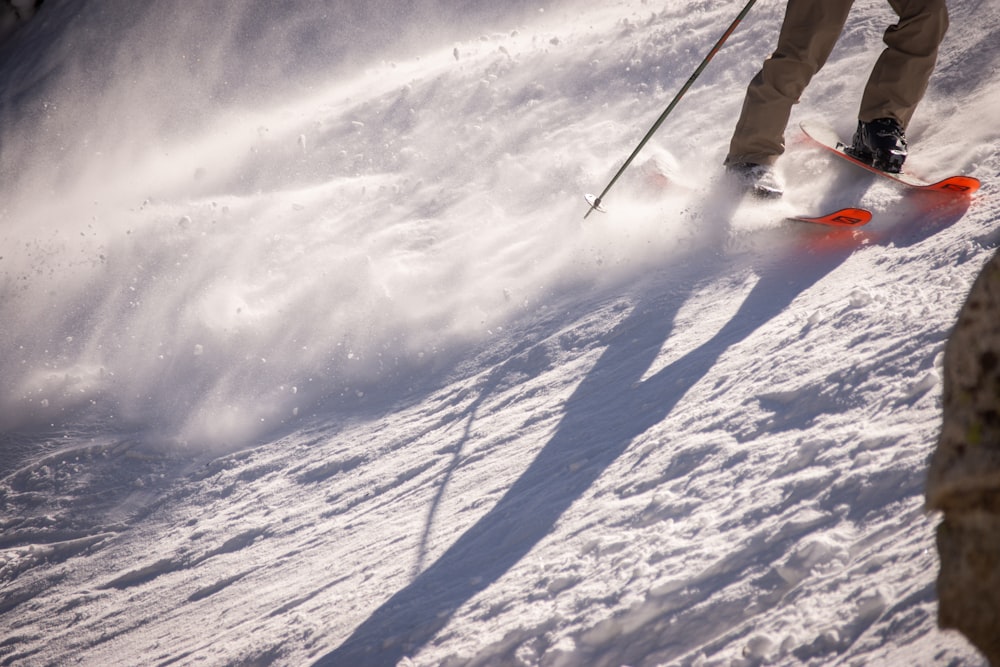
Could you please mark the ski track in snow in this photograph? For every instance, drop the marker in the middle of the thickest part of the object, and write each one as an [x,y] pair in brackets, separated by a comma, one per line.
[318,365]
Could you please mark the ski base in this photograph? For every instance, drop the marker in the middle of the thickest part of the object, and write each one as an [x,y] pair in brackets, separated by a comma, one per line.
[826,137]
[845,217]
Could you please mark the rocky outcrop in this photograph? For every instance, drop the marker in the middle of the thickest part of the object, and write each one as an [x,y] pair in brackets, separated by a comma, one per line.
[964,479]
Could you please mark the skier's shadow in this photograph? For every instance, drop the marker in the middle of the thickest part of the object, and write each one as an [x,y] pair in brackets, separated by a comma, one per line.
[611,407]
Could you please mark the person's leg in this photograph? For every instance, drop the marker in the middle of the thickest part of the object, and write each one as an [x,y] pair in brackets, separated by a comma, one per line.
[899,78]
[898,82]
[808,34]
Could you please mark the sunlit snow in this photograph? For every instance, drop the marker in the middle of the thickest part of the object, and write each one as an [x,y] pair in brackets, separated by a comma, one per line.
[309,357]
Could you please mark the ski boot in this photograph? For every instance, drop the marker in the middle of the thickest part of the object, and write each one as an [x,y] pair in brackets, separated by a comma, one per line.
[880,143]
[758,180]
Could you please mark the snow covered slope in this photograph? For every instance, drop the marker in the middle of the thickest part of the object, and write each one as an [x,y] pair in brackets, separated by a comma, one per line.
[308,356]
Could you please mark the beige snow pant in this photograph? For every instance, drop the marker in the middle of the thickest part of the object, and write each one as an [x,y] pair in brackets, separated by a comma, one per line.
[808,35]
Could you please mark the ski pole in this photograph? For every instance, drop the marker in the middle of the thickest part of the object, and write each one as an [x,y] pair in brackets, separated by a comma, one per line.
[595,201]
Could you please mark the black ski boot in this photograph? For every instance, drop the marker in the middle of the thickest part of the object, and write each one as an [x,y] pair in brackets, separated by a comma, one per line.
[758,180]
[881,143]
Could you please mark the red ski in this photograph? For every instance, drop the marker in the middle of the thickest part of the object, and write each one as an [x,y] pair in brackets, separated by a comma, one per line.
[826,137]
[845,217]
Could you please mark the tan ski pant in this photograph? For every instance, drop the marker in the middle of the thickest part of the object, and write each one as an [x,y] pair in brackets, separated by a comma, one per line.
[808,35]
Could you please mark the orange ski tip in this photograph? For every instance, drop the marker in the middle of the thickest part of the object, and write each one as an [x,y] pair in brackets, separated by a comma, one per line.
[845,217]
[959,185]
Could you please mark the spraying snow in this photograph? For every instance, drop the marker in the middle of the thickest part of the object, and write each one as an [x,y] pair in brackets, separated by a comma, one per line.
[309,356]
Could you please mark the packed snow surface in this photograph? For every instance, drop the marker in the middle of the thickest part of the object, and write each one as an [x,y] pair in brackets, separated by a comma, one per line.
[310,358]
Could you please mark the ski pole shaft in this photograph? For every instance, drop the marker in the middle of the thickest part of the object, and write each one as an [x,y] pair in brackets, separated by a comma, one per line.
[595,202]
